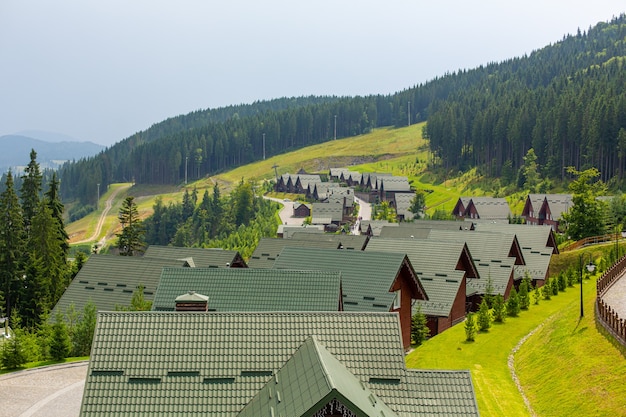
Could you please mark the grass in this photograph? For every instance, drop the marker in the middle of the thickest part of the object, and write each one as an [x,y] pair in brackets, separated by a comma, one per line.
[44,363]
[540,360]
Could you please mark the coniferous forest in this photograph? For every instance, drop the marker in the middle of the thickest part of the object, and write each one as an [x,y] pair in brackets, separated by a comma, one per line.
[567,101]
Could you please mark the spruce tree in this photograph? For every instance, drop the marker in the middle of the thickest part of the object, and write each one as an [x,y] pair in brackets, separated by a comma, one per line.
[470,328]
[484,316]
[489,291]
[546,290]
[562,281]
[512,304]
[419,327]
[499,309]
[53,201]
[537,295]
[12,353]
[30,192]
[12,243]
[60,344]
[130,239]
[524,297]
[83,335]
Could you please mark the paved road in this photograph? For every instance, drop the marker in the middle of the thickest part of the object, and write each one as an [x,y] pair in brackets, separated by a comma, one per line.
[616,296]
[286,213]
[49,391]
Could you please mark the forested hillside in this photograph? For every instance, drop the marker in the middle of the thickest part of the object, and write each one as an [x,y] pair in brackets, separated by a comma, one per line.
[566,101]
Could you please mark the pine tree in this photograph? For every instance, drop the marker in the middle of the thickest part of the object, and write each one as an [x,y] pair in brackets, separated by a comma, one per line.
[53,201]
[499,309]
[30,192]
[470,328]
[484,316]
[562,281]
[512,304]
[12,245]
[83,336]
[419,327]
[130,240]
[12,354]
[489,291]
[547,289]
[524,297]
[537,295]
[60,344]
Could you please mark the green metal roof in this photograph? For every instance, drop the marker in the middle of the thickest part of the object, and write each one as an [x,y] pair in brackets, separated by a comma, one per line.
[435,264]
[109,281]
[344,241]
[366,277]
[247,289]
[202,257]
[268,250]
[213,364]
[537,243]
[310,380]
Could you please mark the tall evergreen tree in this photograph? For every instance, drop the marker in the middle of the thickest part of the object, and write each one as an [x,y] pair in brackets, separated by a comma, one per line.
[12,245]
[53,201]
[130,239]
[585,218]
[30,192]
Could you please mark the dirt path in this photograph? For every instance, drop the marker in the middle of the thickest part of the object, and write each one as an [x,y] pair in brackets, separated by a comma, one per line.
[107,207]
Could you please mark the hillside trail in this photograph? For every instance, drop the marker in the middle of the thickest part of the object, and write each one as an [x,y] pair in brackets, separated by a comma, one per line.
[107,207]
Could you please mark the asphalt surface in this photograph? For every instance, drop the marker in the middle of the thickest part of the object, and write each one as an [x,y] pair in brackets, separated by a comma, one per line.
[48,391]
[616,296]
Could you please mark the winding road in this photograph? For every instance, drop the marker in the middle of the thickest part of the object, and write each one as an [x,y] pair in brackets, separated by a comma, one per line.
[107,207]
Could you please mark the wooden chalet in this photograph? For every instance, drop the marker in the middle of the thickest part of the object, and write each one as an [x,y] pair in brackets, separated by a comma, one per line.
[301,210]
[546,209]
[328,214]
[460,207]
[402,203]
[443,269]
[538,244]
[371,281]
[488,208]
[389,186]
[251,364]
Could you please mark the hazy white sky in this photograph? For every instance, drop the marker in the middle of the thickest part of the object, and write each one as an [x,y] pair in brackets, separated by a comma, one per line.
[102,70]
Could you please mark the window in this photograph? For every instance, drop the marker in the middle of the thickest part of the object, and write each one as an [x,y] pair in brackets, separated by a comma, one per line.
[396,300]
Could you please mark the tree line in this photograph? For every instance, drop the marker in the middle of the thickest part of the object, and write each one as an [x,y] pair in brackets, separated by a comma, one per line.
[34,248]
[235,222]
[564,100]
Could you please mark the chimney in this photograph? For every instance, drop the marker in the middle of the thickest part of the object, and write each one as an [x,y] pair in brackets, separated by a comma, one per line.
[192,302]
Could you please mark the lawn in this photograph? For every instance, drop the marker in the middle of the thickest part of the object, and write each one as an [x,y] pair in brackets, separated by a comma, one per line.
[537,360]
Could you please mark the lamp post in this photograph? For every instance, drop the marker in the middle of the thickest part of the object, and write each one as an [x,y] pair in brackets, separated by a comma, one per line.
[590,268]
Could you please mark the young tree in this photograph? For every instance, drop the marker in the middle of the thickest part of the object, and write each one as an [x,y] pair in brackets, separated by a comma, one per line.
[419,328]
[546,290]
[417,204]
[130,240]
[585,218]
[512,304]
[523,294]
[489,291]
[484,316]
[562,281]
[83,336]
[499,309]
[12,354]
[138,302]
[537,295]
[60,344]
[470,328]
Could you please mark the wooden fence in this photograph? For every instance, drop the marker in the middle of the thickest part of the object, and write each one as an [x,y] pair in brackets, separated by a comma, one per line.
[604,313]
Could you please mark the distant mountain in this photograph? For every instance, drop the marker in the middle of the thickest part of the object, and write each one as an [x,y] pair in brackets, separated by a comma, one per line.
[15,151]
[46,136]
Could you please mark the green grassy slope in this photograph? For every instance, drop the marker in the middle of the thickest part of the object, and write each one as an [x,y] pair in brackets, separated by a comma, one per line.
[566,368]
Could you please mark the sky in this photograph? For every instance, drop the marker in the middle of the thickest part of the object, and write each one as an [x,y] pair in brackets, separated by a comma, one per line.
[101,71]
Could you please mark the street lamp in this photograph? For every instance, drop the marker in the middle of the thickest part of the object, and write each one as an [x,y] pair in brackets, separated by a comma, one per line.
[590,268]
